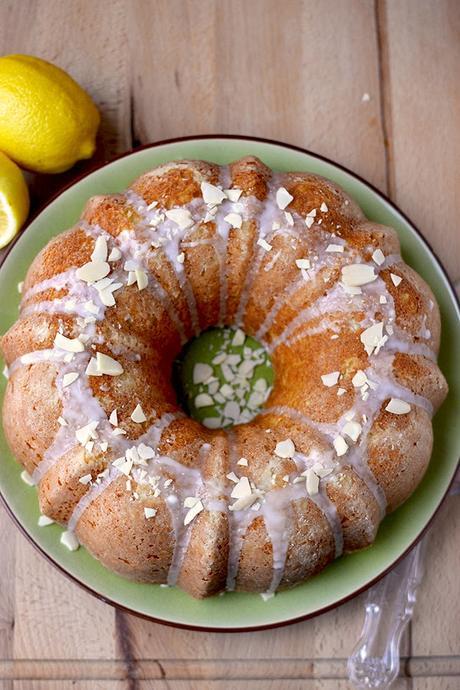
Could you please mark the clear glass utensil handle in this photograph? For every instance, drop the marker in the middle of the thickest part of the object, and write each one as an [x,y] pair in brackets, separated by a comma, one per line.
[374,662]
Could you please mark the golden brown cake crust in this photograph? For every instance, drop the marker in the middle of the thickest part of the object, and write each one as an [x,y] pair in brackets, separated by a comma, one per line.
[91,413]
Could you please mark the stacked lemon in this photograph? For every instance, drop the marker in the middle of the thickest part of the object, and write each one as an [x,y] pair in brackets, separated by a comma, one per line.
[47,123]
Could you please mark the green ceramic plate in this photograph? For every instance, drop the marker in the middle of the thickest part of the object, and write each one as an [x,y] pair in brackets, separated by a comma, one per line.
[348,575]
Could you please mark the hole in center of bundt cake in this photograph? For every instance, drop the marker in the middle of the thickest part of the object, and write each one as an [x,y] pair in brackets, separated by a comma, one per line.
[223,377]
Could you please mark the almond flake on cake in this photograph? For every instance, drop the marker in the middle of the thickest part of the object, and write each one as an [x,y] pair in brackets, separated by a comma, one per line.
[181,216]
[396,406]
[352,430]
[100,250]
[69,378]
[233,194]
[285,449]
[355,275]
[340,445]
[86,479]
[68,344]
[264,244]
[212,195]
[86,432]
[107,365]
[371,337]
[312,483]
[138,415]
[330,379]
[93,271]
[234,219]
[115,254]
[195,507]
[378,256]
[283,198]
[141,279]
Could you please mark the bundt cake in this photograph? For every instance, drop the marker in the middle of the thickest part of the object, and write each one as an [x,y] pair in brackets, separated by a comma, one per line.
[242,502]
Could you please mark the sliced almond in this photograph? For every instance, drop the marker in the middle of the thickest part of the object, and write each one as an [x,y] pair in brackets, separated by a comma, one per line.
[285,449]
[234,219]
[330,379]
[203,400]
[283,198]
[69,540]
[69,378]
[378,256]
[193,512]
[100,250]
[352,430]
[371,337]
[340,445]
[141,279]
[355,275]
[138,415]
[264,244]
[211,194]
[201,372]
[233,194]
[107,365]
[68,344]
[93,271]
[397,406]
[181,216]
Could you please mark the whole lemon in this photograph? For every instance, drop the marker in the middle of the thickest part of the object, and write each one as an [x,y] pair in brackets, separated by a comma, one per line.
[47,121]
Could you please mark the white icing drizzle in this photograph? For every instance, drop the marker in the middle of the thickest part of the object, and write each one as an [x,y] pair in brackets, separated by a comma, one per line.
[57,282]
[268,213]
[238,522]
[190,484]
[170,236]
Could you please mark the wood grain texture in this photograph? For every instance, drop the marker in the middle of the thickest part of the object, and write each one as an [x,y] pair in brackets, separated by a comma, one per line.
[294,70]
[421,72]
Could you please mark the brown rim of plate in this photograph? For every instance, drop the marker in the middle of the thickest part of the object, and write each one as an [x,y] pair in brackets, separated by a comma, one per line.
[343,600]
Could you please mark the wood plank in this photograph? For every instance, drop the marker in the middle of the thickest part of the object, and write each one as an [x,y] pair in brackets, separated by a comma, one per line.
[7,589]
[295,72]
[421,58]
[332,635]
[436,629]
[89,41]
[72,623]
[70,685]
[436,683]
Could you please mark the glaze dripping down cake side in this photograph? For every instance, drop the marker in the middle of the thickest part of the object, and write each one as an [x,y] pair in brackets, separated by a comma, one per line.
[344,437]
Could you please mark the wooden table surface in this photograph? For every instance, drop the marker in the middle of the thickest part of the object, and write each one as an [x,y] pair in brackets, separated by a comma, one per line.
[284,69]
